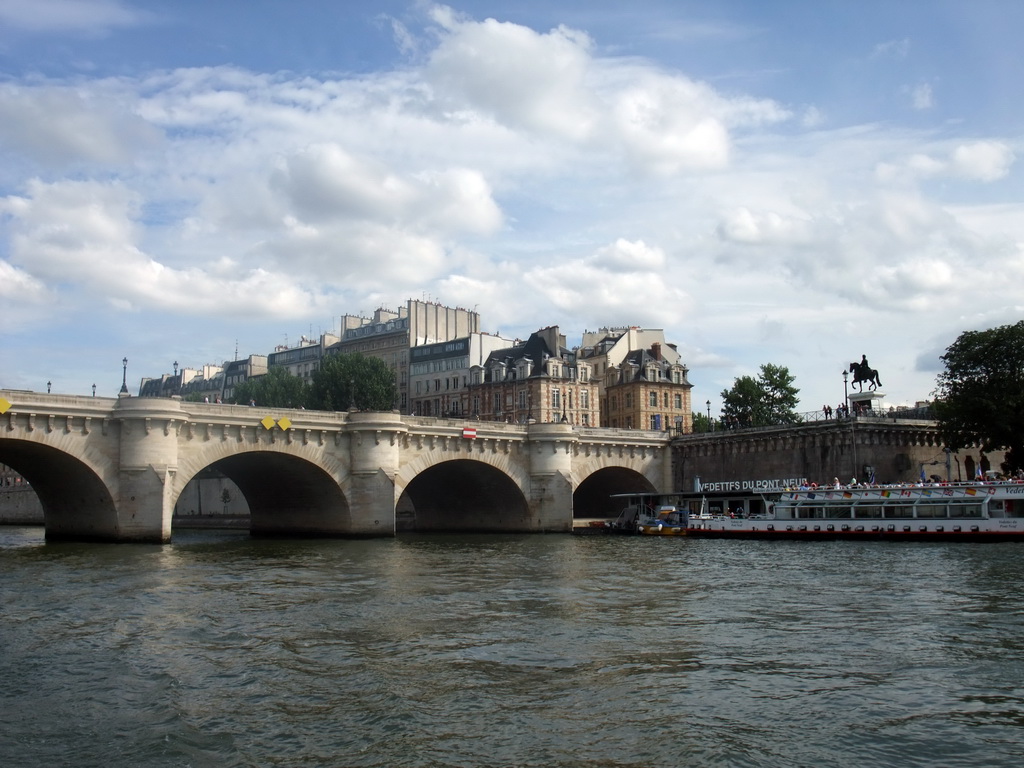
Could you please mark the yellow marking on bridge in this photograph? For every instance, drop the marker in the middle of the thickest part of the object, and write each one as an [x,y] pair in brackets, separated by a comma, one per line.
[5,405]
[268,422]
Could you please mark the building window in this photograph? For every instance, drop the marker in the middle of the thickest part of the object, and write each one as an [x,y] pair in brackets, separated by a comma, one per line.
[679,402]
[556,398]
[652,399]
[585,399]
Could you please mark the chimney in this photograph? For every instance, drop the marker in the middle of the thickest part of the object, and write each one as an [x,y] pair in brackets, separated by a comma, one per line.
[656,350]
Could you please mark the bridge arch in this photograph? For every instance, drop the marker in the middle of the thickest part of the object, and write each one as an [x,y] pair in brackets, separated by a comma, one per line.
[593,495]
[463,495]
[77,501]
[287,495]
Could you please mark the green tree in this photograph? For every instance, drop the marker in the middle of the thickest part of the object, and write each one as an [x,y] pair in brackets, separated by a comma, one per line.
[769,399]
[779,394]
[345,381]
[277,388]
[701,422]
[980,394]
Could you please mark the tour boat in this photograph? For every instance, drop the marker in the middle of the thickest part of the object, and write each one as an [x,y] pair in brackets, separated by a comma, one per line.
[941,512]
[650,514]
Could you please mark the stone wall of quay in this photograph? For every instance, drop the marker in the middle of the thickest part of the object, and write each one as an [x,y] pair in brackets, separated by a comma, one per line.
[893,451]
[19,505]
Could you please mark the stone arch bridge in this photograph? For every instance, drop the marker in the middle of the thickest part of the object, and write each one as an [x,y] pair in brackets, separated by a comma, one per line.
[113,469]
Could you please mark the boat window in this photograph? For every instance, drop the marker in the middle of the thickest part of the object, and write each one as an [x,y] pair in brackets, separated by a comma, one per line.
[784,510]
[968,510]
[1014,508]
[839,512]
[898,510]
[867,510]
[931,509]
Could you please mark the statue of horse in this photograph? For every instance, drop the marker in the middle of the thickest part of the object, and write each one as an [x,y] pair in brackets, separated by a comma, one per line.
[862,373]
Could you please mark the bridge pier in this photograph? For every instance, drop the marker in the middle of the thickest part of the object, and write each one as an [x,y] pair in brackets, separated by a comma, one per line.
[550,498]
[143,507]
[374,447]
[148,462]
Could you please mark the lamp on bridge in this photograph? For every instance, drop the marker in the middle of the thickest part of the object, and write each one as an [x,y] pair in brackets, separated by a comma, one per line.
[846,396]
[708,404]
[124,376]
[48,387]
[94,390]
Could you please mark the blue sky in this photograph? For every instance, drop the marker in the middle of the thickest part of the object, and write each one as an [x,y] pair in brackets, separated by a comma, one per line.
[796,183]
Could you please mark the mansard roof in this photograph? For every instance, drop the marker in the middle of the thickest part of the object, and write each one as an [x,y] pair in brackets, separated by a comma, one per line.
[534,349]
[636,365]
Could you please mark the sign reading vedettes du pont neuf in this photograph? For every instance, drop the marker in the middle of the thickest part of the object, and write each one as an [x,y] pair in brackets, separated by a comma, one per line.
[751,485]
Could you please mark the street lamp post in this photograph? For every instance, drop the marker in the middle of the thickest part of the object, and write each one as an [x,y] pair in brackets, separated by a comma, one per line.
[853,437]
[94,390]
[48,387]
[124,376]
[709,414]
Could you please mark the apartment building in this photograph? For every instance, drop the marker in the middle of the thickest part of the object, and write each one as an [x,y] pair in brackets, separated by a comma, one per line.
[390,335]
[647,391]
[439,374]
[539,380]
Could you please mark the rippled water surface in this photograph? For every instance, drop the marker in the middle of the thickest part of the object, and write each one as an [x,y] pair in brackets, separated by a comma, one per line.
[218,650]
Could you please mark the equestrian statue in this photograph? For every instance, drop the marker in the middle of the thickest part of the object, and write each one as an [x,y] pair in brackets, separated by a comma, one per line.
[863,372]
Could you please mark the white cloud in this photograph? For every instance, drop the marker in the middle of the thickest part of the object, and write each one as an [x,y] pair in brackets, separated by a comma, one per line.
[624,255]
[983,160]
[745,226]
[552,84]
[79,16]
[59,125]
[522,78]
[894,49]
[86,233]
[921,97]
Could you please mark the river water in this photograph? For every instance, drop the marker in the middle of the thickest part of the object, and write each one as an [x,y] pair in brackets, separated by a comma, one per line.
[531,650]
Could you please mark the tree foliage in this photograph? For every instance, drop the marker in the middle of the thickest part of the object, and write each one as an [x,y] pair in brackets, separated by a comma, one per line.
[277,388]
[701,422]
[769,399]
[352,381]
[980,394]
